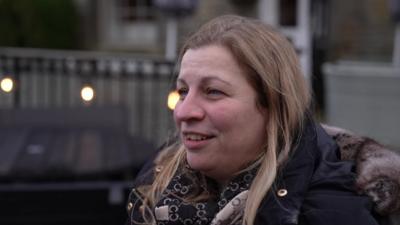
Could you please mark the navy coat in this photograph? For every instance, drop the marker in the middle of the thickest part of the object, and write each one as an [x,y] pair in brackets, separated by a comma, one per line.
[320,187]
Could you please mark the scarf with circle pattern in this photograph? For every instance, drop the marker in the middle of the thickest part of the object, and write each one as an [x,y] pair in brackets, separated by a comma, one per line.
[225,207]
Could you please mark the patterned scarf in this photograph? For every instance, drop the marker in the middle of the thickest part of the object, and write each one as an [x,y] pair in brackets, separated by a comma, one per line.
[226,207]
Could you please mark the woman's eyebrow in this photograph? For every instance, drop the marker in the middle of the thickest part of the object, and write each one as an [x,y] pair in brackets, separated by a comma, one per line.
[205,80]
[209,79]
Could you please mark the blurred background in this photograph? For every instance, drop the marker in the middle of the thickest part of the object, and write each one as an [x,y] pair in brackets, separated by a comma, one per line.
[85,86]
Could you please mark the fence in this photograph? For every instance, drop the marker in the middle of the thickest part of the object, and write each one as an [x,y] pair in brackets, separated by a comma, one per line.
[53,79]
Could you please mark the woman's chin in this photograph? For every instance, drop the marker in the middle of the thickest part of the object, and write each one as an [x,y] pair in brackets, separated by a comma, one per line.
[198,163]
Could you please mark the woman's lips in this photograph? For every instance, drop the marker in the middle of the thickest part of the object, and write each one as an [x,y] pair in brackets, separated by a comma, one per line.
[193,140]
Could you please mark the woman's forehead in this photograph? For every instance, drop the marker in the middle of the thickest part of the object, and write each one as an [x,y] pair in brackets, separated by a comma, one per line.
[211,57]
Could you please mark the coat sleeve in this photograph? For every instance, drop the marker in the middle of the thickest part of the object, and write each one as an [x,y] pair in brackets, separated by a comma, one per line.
[331,198]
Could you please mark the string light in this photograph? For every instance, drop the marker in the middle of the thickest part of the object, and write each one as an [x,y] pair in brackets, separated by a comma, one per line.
[87,93]
[173,98]
[7,84]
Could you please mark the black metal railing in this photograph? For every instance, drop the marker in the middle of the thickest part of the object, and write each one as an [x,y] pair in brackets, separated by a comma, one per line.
[53,79]
[56,148]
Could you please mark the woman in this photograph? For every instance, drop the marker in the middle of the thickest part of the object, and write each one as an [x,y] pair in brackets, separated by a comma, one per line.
[248,151]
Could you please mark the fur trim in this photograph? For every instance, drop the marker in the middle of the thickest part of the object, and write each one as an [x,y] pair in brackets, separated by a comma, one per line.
[377,167]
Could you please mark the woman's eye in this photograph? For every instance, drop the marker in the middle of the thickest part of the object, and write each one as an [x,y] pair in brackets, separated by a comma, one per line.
[214,92]
[182,92]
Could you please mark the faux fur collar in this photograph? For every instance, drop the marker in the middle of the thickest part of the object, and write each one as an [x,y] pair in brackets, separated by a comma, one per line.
[378,168]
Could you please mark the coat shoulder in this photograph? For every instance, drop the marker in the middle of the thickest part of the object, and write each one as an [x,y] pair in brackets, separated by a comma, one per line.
[319,187]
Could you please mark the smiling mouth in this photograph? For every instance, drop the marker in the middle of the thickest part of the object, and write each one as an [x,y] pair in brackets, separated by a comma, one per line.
[196,136]
[195,141]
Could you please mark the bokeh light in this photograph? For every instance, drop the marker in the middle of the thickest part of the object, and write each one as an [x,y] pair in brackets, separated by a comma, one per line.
[87,93]
[7,84]
[173,98]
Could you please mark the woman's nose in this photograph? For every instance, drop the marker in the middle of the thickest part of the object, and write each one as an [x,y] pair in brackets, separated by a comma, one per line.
[190,108]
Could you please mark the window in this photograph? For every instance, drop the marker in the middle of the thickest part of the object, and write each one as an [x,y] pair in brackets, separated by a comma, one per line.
[134,10]
[288,12]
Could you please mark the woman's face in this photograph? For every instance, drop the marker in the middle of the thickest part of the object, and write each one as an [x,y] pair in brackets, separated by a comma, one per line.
[219,123]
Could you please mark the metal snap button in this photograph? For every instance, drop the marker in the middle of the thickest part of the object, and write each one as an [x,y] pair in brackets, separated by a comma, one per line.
[282,192]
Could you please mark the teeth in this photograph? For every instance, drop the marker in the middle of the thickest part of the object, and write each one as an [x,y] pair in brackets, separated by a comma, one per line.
[195,137]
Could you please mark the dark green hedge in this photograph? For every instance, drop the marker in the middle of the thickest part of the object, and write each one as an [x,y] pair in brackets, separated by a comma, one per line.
[39,24]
